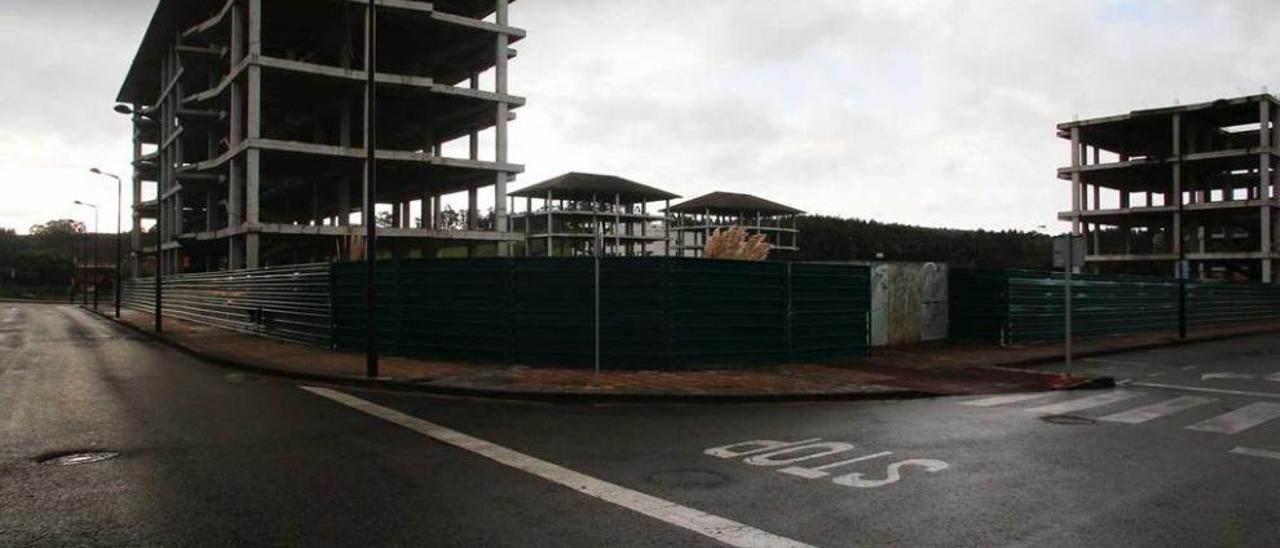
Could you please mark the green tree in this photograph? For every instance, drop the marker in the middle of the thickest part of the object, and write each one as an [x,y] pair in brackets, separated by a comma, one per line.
[42,267]
[60,235]
[10,245]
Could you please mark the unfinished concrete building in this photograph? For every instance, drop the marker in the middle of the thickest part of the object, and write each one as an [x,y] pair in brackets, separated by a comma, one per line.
[563,215]
[249,120]
[697,219]
[1195,182]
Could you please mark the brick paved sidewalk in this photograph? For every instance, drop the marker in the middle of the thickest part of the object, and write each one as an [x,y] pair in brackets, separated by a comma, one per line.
[945,368]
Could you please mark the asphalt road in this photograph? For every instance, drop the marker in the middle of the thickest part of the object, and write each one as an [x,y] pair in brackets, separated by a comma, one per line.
[1185,453]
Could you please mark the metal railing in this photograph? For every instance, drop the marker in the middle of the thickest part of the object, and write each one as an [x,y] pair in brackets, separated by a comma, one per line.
[289,303]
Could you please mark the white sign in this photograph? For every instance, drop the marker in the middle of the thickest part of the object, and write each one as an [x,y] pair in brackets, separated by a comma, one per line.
[778,454]
[1060,251]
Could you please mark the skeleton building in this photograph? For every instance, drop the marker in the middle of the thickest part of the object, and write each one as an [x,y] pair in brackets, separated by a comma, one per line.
[249,129]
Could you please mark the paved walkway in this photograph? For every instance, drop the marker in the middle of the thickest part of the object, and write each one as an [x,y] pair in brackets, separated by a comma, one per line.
[944,368]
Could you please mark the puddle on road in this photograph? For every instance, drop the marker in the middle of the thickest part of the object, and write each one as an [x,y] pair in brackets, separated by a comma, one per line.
[688,479]
[1068,420]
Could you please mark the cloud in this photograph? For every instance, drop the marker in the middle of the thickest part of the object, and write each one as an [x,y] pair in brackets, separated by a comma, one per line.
[925,112]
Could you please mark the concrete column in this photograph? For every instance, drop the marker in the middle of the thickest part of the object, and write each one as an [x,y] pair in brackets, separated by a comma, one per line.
[666,230]
[1176,233]
[253,171]
[617,223]
[500,124]
[344,201]
[473,208]
[436,221]
[235,168]
[1076,192]
[550,225]
[1264,186]
[425,206]
[135,234]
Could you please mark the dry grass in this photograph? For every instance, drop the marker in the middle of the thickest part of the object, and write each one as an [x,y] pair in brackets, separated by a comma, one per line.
[735,244]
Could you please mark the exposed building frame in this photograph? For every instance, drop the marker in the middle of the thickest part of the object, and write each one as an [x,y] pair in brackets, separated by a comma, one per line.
[698,219]
[561,217]
[1196,181]
[248,117]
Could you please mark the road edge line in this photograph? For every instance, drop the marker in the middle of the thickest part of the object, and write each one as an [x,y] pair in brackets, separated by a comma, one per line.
[720,529]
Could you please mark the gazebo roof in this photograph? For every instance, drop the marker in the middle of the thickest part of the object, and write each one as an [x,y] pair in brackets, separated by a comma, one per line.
[732,202]
[583,186]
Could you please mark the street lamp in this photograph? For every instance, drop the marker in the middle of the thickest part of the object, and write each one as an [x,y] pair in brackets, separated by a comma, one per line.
[138,114]
[95,250]
[119,234]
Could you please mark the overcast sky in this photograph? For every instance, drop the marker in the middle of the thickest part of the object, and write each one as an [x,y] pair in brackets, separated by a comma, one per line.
[923,112]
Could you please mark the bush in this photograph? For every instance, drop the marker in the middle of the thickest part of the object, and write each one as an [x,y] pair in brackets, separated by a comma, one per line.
[43,268]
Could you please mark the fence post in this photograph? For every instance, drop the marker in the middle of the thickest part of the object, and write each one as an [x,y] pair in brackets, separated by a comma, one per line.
[786,325]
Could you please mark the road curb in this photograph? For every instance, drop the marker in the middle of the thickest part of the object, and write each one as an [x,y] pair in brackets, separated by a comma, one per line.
[1031,362]
[513,395]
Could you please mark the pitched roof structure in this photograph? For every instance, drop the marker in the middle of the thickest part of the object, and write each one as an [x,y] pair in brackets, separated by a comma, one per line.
[732,202]
[585,186]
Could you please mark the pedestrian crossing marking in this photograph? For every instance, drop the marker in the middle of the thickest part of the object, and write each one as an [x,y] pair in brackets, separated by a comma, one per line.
[1256,452]
[1239,420]
[1228,423]
[1002,400]
[1080,404]
[1157,410]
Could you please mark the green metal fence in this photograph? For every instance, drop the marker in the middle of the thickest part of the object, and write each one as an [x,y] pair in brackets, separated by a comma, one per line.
[1018,306]
[1218,303]
[655,312]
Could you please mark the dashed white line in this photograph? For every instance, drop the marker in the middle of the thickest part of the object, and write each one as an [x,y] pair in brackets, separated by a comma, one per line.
[1210,390]
[1239,420]
[1081,404]
[1157,410]
[721,529]
[1256,453]
[1002,400]
[1118,362]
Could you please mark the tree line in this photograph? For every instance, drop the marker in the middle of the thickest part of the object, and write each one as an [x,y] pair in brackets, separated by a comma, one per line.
[824,238]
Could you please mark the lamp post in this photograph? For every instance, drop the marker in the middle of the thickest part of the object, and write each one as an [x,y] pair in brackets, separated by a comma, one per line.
[138,115]
[371,190]
[119,234]
[94,244]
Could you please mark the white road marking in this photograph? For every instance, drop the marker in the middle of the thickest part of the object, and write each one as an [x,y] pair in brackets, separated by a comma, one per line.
[721,529]
[1210,390]
[1256,453]
[1274,377]
[1080,404]
[818,472]
[1226,375]
[1155,411]
[1006,399]
[1118,362]
[1241,419]
[1188,367]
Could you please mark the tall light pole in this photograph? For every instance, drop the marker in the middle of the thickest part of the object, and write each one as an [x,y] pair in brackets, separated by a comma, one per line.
[138,115]
[94,244]
[119,234]
[371,190]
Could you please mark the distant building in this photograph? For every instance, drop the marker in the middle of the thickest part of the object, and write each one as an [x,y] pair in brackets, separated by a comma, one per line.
[562,215]
[1196,182]
[696,220]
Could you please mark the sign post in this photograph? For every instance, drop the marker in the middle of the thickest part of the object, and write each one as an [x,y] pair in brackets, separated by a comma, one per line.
[1068,254]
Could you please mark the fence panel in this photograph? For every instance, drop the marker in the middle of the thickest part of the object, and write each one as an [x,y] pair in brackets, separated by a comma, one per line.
[727,312]
[1222,303]
[1025,306]
[830,311]
[1101,306]
[655,313]
[289,303]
